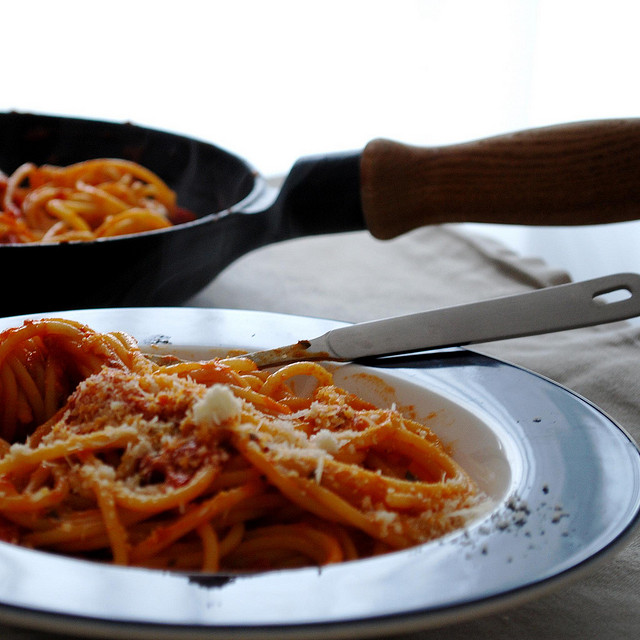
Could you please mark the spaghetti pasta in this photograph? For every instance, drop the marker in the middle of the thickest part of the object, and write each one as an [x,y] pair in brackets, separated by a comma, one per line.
[93,199]
[112,455]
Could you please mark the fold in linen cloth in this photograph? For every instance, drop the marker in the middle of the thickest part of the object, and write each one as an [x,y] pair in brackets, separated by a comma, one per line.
[353,277]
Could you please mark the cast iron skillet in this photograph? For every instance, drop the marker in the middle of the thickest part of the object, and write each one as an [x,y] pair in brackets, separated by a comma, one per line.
[567,174]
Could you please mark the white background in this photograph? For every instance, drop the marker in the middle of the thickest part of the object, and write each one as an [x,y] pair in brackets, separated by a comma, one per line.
[274,81]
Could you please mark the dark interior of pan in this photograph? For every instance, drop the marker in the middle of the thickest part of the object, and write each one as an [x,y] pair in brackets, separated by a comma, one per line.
[156,268]
[206,178]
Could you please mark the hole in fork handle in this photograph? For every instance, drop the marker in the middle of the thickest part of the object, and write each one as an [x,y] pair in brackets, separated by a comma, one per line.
[611,297]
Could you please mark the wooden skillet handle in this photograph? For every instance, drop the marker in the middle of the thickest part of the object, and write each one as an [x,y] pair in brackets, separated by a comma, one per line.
[572,174]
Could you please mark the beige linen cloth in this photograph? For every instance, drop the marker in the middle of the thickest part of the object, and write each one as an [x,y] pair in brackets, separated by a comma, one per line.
[353,277]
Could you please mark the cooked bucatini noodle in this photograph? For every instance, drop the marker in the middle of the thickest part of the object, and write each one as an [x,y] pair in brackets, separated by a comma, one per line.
[85,201]
[111,455]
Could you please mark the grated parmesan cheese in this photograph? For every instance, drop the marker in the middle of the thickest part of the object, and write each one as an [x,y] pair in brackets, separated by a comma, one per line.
[216,406]
[325,440]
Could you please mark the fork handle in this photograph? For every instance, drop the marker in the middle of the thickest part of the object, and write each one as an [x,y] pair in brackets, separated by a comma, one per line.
[571,174]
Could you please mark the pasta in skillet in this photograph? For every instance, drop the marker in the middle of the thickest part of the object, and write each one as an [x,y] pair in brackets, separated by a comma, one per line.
[93,199]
